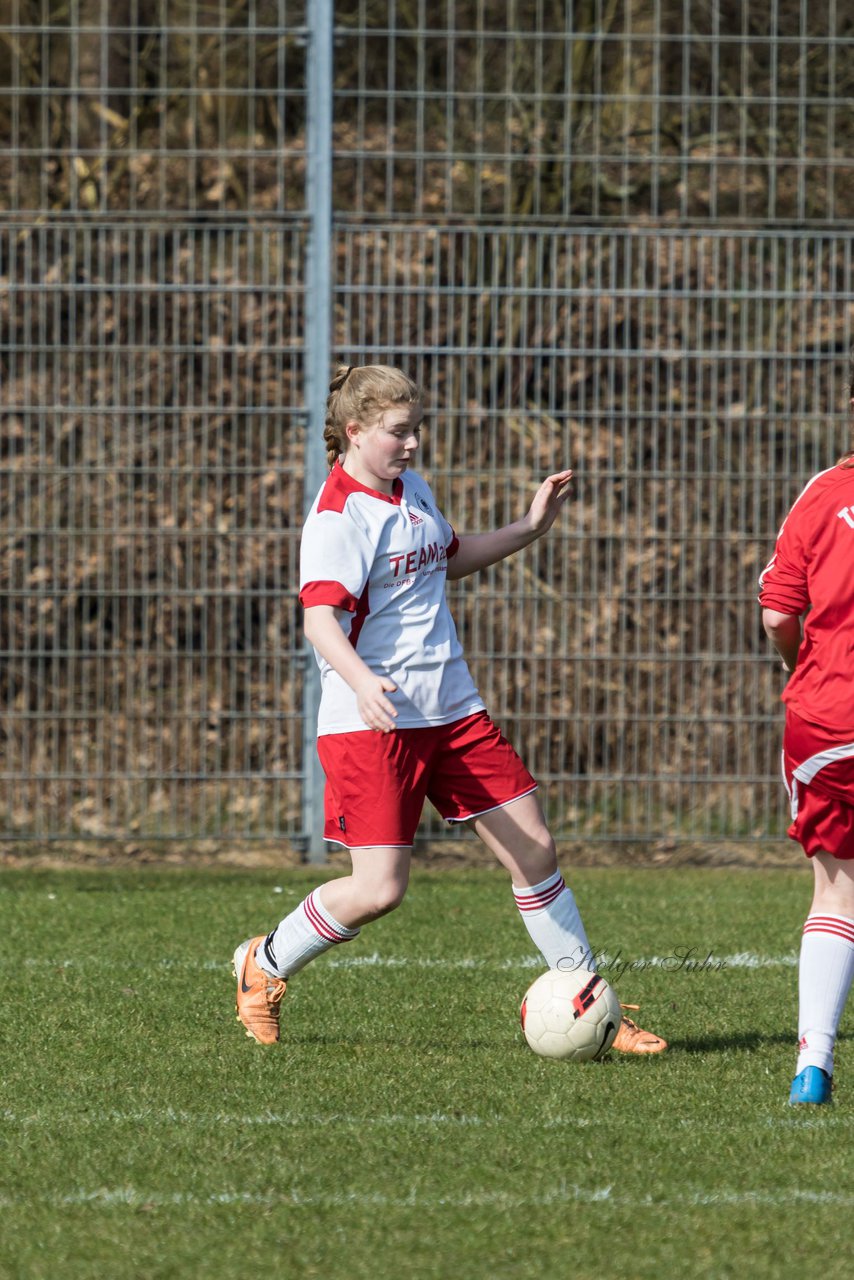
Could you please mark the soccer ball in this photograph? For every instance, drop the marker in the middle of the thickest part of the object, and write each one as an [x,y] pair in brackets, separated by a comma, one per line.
[572,1014]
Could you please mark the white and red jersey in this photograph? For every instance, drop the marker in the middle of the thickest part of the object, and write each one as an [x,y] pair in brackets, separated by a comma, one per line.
[813,568]
[383,560]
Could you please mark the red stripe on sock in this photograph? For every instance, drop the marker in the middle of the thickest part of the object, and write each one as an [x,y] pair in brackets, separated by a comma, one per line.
[833,925]
[538,901]
[321,925]
[833,933]
[829,922]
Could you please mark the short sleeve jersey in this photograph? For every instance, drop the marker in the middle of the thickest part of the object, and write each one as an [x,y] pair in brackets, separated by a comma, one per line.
[382,559]
[813,568]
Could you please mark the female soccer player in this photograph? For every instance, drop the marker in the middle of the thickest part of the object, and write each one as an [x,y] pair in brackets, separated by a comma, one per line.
[400,718]
[813,569]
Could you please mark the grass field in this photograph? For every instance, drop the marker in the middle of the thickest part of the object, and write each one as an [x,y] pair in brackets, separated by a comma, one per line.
[403,1129]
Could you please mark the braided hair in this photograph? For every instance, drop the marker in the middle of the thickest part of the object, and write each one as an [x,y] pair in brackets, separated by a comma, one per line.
[359,393]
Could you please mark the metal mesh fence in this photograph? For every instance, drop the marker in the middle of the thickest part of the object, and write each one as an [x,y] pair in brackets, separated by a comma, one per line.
[611,235]
[152,107]
[675,110]
[148,658]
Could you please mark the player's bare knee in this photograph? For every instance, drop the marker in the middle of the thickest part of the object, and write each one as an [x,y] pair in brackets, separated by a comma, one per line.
[539,858]
[384,898]
[542,846]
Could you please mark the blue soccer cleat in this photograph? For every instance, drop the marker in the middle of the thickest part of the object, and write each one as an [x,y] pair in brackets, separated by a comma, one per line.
[811,1086]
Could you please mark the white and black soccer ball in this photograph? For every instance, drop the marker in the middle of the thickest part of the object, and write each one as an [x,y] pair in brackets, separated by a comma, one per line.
[572,1014]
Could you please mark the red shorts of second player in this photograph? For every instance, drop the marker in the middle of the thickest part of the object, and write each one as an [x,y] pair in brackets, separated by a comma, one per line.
[376,783]
[818,770]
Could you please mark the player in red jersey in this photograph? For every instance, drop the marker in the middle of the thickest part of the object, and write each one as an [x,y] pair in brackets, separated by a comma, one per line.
[400,718]
[807,598]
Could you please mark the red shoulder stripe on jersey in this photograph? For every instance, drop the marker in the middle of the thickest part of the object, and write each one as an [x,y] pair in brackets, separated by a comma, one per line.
[323,592]
[339,486]
[335,491]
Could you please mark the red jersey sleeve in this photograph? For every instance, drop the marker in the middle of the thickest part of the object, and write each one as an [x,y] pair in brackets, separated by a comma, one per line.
[783,581]
[812,573]
[328,592]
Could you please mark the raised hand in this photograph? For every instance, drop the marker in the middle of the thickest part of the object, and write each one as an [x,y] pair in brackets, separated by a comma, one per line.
[548,500]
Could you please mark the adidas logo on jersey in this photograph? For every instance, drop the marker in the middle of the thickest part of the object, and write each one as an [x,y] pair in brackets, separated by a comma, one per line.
[414,519]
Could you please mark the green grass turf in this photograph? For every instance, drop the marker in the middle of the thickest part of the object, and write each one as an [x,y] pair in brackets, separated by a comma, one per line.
[403,1129]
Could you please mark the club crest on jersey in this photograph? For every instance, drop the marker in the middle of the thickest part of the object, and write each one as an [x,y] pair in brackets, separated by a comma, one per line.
[423,504]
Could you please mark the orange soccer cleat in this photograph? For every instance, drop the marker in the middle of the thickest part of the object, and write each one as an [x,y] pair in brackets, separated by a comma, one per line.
[258,994]
[632,1039]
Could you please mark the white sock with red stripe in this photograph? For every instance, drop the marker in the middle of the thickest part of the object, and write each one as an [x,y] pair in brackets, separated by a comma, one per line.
[307,932]
[825,972]
[554,923]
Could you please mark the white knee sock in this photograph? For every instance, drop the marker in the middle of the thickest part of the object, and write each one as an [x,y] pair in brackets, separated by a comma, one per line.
[554,923]
[307,932]
[824,980]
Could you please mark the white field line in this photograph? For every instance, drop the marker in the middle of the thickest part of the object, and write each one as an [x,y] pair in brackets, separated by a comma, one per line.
[134,1197]
[170,1117]
[681,960]
[218,1120]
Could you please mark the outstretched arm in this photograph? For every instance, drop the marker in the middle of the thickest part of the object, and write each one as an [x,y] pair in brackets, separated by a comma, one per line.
[477,550]
[784,632]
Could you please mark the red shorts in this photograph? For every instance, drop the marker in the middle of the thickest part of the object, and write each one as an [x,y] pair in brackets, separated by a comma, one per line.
[818,770]
[376,783]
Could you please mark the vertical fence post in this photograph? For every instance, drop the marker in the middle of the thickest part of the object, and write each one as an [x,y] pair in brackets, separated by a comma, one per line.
[318,339]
